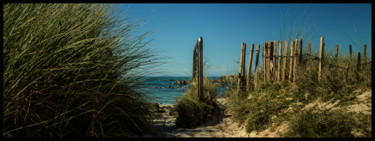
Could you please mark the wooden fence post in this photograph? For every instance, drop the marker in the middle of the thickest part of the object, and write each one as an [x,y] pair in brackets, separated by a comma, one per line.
[274,61]
[321,57]
[200,69]
[291,61]
[264,62]
[269,51]
[358,65]
[295,61]
[308,49]
[350,52]
[365,53]
[241,72]
[194,64]
[279,63]
[300,51]
[249,67]
[337,51]
[284,60]
[256,68]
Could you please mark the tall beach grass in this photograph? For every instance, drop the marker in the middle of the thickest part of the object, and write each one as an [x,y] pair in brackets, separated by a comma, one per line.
[302,105]
[72,70]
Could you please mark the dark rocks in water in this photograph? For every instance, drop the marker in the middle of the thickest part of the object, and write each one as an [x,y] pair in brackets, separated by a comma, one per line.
[170,87]
[156,87]
[167,80]
[181,82]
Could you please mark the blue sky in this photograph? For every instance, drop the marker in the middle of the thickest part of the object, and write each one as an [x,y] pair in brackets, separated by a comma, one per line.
[225,26]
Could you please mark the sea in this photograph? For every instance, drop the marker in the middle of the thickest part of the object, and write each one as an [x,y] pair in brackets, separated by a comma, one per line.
[162,90]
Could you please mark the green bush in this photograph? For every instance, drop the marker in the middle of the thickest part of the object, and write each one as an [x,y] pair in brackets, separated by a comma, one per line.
[277,102]
[191,111]
[71,70]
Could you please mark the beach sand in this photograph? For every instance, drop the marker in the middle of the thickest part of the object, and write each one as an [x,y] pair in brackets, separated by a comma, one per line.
[220,126]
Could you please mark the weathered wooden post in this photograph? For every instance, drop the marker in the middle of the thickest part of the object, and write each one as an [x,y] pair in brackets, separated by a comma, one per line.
[308,50]
[241,73]
[264,62]
[279,63]
[198,66]
[200,69]
[300,52]
[365,53]
[284,60]
[256,68]
[321,57]
[274,61]
[195,60]
[350,52]
[295,61]
[337,51]
[358,65]
[249,68]
[268,61]
[291,61]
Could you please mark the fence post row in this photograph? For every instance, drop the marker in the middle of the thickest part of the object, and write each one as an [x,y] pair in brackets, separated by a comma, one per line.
[198,60]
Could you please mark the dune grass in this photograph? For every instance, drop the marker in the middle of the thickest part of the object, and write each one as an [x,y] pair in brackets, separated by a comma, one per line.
[191,111]
[303,105]
[72,70]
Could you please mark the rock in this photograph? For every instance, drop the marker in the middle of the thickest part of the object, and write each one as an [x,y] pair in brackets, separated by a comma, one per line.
[157,87]
[181,82]
[170,87]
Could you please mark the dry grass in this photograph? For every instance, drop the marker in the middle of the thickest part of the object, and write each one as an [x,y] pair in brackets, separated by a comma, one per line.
[311,109]
[71,70]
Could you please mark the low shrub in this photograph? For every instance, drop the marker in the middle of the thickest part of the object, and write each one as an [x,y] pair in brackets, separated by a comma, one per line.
[191,111]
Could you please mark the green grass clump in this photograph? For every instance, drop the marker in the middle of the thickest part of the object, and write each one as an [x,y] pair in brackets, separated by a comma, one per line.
[316,122]
[281,102]
[71,70]
[191,111]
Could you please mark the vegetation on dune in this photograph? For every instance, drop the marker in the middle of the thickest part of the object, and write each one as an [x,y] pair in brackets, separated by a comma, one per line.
[71,70]
[191,111]
[310,108]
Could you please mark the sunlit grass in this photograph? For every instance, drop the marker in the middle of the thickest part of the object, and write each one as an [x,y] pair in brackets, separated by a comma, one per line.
[275,103]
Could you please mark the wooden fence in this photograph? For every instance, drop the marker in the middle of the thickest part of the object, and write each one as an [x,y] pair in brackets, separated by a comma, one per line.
[273,72]
[198,66]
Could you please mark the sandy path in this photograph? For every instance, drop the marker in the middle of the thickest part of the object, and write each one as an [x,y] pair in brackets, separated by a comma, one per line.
[221,126]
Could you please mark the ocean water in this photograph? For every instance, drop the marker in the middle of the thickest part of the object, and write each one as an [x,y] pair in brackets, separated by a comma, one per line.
[157,90]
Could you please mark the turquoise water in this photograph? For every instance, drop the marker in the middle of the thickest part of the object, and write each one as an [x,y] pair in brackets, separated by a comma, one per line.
[157,90]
